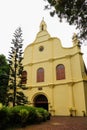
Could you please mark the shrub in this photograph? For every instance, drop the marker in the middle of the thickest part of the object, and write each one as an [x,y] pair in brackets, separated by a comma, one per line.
[15,118]
[44,113]
[24,115]
[4,117]
[32,115]
[39,117]
[21,115]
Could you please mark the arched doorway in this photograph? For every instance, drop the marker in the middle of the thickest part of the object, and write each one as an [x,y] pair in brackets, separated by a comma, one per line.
[41,101]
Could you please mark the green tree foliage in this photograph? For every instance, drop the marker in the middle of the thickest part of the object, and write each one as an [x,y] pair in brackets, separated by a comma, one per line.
[16,95]
[74,11]
[4,72]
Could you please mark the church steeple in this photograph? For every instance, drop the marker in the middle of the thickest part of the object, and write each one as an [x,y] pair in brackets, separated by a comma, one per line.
[43,25]
[43,34]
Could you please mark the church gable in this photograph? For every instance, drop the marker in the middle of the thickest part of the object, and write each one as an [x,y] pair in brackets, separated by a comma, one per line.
[50,50]
[54,73]
[43,34]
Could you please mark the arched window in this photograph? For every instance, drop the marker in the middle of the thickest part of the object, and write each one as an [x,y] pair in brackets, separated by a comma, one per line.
[60,72]
[40,75]
[24,77]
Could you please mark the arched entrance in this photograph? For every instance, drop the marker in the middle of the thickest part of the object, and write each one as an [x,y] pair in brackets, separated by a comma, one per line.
[41,101]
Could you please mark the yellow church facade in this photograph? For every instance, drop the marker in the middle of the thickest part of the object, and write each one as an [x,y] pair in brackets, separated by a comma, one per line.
[55,76]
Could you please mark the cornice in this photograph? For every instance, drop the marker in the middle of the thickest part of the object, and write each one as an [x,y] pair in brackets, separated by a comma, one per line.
[52,85]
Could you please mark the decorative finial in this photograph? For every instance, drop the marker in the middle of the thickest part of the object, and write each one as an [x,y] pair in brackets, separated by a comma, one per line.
[75,39]
[43,18]
[43,25]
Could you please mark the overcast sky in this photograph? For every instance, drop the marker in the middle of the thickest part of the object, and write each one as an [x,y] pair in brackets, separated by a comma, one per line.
[28,14]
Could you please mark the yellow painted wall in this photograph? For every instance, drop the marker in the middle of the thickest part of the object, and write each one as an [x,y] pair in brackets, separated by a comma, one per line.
[61,94]
[79,98]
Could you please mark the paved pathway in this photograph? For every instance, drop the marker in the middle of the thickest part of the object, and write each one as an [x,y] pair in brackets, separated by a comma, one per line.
[60,123]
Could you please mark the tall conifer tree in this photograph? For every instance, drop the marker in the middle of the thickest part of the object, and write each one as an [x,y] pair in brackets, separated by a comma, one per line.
[16,95]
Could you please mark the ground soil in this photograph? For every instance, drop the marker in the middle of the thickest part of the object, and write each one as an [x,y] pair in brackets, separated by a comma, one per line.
[60,123]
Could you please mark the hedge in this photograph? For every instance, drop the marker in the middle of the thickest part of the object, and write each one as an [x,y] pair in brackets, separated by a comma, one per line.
[19,116]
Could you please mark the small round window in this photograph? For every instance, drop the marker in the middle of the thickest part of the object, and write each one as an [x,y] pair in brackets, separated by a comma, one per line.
[41,48]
